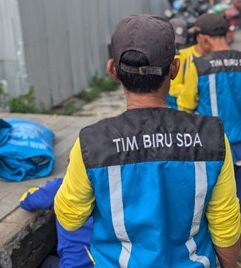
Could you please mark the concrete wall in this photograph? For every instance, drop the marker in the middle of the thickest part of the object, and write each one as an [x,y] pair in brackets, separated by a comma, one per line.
[66,42]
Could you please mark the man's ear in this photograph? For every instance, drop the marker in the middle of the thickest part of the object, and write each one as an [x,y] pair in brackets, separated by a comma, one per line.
[111,70]
[209,43]
[205,42]
[174,68]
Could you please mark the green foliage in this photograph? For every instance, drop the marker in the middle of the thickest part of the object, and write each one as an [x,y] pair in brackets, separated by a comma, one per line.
[1,89]
[24,103]
[98,85]
[103,84]
[90,95]
[43,110]
[69,109]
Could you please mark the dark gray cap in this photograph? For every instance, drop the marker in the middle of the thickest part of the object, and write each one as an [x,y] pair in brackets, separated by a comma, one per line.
[212,25]
[153,36]
[181,31]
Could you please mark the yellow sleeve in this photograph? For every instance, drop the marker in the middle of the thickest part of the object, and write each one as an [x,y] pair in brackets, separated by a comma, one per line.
[75,199]
[187,100]
[223,211]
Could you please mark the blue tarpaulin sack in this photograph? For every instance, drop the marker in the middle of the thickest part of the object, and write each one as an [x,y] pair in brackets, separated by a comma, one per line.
[28,154]
[5,129]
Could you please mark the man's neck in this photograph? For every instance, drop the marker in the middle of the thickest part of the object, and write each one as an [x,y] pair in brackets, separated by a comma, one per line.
[146,100]
[220,45]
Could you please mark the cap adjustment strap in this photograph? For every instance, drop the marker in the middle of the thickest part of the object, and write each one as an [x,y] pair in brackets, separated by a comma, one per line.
[143,70]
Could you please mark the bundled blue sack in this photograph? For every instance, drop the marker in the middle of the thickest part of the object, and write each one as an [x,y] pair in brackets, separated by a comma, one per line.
[28,154]
[5,129]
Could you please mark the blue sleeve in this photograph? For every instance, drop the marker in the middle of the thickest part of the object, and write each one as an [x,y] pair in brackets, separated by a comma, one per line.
[72,246]
[43,198]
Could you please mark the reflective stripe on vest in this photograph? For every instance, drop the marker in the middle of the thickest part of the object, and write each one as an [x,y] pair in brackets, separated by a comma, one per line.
[117,212]
[213,94]
[200,195]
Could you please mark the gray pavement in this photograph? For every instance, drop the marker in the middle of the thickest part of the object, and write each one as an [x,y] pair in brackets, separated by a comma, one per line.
[109,104]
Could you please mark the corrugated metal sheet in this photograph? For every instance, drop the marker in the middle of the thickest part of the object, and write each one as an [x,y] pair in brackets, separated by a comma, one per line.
[12,69]
[66,42]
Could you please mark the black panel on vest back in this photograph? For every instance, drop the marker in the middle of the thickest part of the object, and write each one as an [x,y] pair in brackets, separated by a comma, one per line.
[219,61]
[153,134]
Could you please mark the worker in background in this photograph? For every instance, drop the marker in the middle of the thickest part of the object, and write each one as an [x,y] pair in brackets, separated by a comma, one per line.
[216,79]
[159,182]
[181,32]
[185,56]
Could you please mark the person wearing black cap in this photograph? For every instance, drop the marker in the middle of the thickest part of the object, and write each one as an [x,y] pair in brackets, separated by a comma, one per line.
[211,30]
[181,32]
[185,55]
[158,182]
[186,76]
[216,90]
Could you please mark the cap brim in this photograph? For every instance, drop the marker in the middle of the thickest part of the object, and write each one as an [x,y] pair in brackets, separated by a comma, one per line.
[194,30]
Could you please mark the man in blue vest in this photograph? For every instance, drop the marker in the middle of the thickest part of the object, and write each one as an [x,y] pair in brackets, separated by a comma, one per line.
[159,183]
[216,77]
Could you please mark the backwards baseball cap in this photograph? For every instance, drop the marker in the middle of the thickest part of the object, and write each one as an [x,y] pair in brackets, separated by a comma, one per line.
[150,35]
[180,28]
[212,25]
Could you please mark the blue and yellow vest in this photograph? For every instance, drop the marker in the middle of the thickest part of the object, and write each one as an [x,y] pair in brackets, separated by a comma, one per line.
[153,172]
[219,90]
